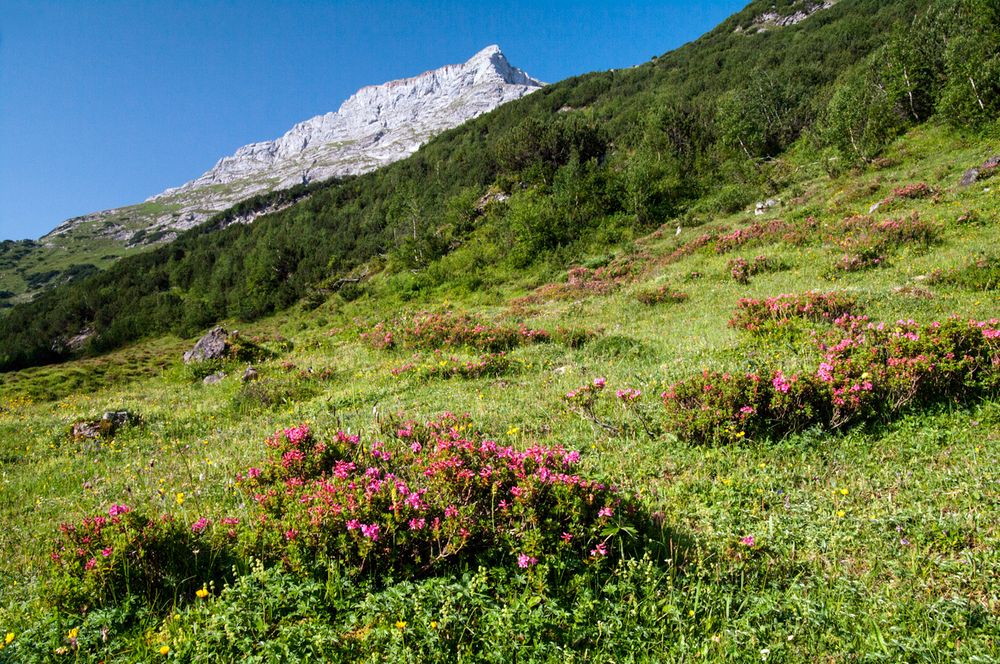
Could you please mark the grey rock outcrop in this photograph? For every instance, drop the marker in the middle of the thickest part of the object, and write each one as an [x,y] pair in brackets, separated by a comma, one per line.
[213,346]
[215,378]
[972,176]
[109,423]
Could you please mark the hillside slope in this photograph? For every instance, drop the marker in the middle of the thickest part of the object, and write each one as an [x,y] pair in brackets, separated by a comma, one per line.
[592,158]
[567,393]
[754,522]
[376,126]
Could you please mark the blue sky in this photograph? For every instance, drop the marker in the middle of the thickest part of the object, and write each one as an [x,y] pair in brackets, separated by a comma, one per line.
[104,104]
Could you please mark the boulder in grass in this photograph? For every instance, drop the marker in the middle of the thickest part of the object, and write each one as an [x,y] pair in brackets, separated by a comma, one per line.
[213,346]
[105,427]
[212,379]
[969,178]
[981,172]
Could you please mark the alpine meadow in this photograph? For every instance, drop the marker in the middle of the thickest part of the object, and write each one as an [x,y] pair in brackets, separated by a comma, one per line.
[697,360]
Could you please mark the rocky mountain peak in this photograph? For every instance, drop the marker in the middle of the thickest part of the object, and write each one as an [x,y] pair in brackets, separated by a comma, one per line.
[377,125]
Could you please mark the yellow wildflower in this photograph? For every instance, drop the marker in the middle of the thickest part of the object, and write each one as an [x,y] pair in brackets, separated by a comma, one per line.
[180,498]
[164,650]
[7,639]
[400,624]
[73,633]
[202,592]
[841,513]
[434,624]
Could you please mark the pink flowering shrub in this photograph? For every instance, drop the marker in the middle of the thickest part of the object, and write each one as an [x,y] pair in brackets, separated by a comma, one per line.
[909,191]
[661,295]
[439,365]
[439,331]
[877,370]
[866,242]
[689,248]
[864,372]
[741,269]
[427,497]
[753,315]
[104,557]
[582,282]
[756,233]
[716,407]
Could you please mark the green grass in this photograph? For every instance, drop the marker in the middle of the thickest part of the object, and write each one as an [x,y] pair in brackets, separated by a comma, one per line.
[879,543]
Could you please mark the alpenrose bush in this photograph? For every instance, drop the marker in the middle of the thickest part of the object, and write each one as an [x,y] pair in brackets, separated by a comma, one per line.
[741,269]
[449,330]
[426,498]
[582,282]
[795,233]
[753,315]
[439,365]
[865,372]
[665,294]
[909,191]
[103,558]
[866,242]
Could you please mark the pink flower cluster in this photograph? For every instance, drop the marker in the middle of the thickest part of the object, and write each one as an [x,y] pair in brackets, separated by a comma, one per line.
[438,365]
[661,295]
[864,371]
[449,330]
[426,496]
[741,269]
[755,315]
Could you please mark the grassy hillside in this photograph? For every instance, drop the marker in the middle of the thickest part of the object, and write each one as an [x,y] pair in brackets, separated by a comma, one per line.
[737,547]
[586,162]
[556,388]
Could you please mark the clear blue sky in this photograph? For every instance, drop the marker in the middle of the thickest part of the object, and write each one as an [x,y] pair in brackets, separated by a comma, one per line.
[104,104]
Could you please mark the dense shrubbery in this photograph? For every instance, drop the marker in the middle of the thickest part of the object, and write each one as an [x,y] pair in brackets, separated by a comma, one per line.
[422,500]
[866,373]
[105,558]
[982,273]
[427,497]
[741,269]
[612,165]
[770,313]
[868,243]
[439,365]
[767,231]
[665,294]
[444,331]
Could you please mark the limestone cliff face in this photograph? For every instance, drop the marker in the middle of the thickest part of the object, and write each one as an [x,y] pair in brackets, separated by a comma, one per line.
[378,125]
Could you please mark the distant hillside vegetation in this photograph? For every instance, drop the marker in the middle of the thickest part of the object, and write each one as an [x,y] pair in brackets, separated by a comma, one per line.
[590,162]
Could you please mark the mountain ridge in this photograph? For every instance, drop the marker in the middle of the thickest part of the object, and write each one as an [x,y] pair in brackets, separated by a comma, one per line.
[375,126]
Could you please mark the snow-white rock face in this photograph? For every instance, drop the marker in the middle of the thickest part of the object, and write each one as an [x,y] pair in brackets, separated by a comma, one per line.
[378,125]
[773,19]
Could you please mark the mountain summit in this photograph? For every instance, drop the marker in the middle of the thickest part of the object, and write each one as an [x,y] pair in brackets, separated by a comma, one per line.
[377,125]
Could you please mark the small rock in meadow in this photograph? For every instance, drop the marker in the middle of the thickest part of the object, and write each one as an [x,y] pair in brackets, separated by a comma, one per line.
[874,207]
[969,177]
[213,346]
[109,423]
[250,374]
[118,418]
[88,429]
[212,379]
